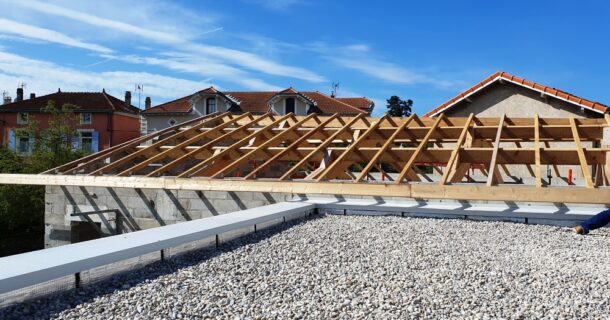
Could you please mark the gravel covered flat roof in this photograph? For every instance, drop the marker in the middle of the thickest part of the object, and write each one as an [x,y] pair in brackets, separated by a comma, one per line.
[363,267]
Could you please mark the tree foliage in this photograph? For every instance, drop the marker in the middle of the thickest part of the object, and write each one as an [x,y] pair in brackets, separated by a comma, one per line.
[22,207]
[398,107]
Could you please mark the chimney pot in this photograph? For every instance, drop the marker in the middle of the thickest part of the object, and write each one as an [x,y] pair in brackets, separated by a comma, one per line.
[127,98]
[7,100]
[19,95]
[32,95]
[147,103]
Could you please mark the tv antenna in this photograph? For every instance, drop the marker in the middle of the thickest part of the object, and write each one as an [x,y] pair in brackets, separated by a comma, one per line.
[22,85]
[335,89]
[139,89]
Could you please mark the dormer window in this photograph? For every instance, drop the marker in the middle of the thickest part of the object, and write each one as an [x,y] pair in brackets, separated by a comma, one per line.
[210,105]
[289,105]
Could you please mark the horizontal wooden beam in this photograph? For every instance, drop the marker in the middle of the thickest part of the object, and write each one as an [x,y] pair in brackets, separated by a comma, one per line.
[570,194]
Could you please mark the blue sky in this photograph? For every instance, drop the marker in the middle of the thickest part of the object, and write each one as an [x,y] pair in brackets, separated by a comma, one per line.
[427,51]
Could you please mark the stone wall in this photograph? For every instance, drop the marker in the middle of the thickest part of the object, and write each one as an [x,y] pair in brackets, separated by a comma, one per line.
[138,209]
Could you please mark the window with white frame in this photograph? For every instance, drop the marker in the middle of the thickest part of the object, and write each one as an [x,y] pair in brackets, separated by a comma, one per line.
[85,118]
[86,141]
[210,105]
[22,118]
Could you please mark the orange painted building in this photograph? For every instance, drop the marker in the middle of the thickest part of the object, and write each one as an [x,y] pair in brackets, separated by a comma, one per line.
[102,120]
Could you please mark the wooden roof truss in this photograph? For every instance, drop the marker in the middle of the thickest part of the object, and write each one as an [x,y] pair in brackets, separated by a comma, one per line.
[359,149]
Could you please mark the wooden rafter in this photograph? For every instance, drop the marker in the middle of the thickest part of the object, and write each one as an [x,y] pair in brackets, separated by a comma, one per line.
[321,148]
[581,154]
[422,145]
[494,175]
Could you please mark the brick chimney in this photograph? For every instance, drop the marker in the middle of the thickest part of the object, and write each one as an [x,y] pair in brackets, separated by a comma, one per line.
[19,96]
[147,103]
[127,98]
[32,95]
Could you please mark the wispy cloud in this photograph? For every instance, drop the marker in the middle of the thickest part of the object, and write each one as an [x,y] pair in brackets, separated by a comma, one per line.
[14,68]
[240,58]
[29,31]
[359,57]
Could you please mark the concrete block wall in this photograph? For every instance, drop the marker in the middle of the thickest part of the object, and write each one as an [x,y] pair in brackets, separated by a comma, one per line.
[139,208]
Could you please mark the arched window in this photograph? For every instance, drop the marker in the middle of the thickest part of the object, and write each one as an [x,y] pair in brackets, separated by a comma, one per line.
[289,105]
[210,105]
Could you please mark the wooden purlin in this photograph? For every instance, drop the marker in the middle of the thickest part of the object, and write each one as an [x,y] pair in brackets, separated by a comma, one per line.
[292,146]
[422,145]
[181,146]
[83,162]
[386,145]
[320,147]
[193,170]
[325,147]
[207,146]
[154,147]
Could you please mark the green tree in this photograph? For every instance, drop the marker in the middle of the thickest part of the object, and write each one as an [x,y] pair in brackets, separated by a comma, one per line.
[22,207]
[398,107]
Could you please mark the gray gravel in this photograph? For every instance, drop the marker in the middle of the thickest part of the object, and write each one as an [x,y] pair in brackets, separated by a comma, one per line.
[364,267]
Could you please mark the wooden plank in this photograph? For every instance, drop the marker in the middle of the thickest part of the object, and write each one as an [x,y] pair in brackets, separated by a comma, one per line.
[451,163]
[206,147]
[292,146]
[350,149]
[153,148]
[581,154]
[492,177]
[537,167]
[276,139]
[193,170]
[422,145]
[426,191]
[322,146]
[180,147]
[86,161]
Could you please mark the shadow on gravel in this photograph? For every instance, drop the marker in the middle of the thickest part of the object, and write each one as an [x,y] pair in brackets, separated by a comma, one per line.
[49,306]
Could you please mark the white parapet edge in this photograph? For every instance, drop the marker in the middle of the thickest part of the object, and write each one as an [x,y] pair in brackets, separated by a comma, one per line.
[23,270]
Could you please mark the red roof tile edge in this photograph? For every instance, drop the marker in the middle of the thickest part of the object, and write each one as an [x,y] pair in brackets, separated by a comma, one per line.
[562,95]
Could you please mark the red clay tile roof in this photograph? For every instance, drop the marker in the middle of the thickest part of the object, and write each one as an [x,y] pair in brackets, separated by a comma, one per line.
[257,102]
[90,101]
[360,103]
[595,106]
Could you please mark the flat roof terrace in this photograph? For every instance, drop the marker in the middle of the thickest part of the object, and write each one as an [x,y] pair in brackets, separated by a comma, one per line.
[356,267]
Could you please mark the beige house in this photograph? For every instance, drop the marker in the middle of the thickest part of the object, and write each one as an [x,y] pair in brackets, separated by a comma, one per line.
[515,97]
[257,102]
[502,93]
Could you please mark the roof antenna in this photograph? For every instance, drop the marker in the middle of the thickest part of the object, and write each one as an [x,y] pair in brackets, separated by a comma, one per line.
[335,89]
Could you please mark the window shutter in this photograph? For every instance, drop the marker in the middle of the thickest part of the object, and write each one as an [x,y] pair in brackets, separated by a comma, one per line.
[95,141]
[75,142]
[11,140]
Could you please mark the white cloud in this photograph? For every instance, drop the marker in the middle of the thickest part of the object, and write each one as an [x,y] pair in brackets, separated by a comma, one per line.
[175,40]
[29,31]
[43,77]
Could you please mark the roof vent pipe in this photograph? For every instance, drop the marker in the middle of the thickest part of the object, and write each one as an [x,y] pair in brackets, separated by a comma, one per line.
[32,95]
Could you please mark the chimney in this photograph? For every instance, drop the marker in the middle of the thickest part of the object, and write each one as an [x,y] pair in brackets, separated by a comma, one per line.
[7,99]
[32,95]
[19,95]
[127,98]
[147,103]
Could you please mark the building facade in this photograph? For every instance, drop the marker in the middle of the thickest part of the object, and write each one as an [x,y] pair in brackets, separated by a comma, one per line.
[102,120]
[279,102]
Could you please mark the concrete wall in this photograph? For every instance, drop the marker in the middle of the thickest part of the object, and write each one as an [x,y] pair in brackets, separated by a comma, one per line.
[140,208]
